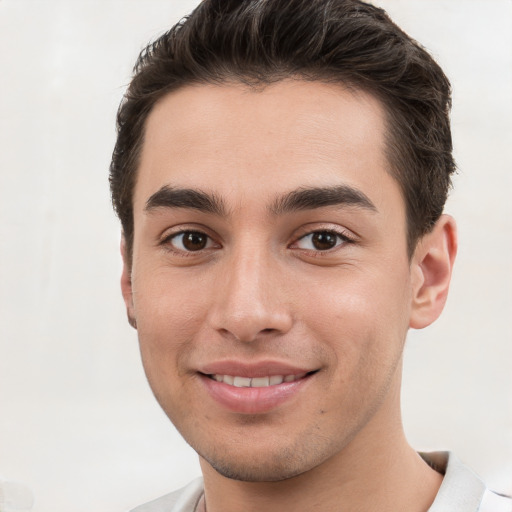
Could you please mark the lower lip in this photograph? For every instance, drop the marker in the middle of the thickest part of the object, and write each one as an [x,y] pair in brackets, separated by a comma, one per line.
[253,400]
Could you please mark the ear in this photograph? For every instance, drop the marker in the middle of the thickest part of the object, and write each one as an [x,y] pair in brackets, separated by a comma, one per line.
[431,271]
[126,284]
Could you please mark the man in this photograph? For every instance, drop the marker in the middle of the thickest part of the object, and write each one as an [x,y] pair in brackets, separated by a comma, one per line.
[280,174]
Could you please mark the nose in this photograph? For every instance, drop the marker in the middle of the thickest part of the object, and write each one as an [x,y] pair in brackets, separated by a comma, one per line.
[251,299]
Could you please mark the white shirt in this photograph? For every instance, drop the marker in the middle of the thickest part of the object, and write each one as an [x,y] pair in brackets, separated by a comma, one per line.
[461,491]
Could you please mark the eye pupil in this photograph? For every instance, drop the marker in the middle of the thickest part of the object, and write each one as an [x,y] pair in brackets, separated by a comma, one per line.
[323,240]
[194,241]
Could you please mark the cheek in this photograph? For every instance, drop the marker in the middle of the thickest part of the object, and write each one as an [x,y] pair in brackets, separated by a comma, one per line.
[360,315]
[169,301]
[169,313]
[166,322]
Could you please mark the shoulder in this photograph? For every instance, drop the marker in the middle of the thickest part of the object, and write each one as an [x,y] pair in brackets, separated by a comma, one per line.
[462,490]
[182,500]
[493,502]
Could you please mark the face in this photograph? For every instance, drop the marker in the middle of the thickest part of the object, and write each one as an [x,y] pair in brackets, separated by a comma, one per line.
[270,283]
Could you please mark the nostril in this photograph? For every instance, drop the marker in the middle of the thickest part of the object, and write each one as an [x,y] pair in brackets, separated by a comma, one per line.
[248,323]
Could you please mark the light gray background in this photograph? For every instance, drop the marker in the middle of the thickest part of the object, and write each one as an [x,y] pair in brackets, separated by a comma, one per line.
[78,423]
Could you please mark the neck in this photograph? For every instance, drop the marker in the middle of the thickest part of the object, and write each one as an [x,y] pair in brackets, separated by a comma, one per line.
[377,470]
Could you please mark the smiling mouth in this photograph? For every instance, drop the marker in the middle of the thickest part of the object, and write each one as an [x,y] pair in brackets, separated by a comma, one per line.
[257,390]
[257,382]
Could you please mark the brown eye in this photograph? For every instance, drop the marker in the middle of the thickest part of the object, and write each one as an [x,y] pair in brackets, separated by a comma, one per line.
[321,241]
[191,241]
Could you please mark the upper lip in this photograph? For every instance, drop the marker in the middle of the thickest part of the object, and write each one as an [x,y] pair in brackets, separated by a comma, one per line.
[253,369]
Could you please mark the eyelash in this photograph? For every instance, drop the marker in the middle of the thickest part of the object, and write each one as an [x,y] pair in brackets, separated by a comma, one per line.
[167,242]
[342,238]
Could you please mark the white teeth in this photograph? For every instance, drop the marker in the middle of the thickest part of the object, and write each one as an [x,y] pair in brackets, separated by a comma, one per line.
[242,382]
[259,382]
[256,382]
[276,379]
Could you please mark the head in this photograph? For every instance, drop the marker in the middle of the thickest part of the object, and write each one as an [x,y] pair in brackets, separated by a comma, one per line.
[280,174]
[258,43]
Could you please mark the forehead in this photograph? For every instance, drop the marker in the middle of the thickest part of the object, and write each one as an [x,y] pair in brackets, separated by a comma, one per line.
[235,139]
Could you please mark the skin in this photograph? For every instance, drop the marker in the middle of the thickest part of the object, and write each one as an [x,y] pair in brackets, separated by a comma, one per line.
[260,289]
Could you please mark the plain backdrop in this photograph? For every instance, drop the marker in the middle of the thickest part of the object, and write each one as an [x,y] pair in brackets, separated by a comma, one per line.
[78,423]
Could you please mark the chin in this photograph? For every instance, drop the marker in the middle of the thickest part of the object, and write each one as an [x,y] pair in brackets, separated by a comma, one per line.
[255,471]
[265,463]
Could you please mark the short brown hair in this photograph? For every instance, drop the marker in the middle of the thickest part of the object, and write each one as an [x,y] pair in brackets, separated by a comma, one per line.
[258,42]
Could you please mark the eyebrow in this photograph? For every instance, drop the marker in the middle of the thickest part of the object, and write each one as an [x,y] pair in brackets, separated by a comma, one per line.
[297,200]
[320,197]
[170,197]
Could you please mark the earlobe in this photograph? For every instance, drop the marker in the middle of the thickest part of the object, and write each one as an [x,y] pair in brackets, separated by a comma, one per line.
[126,285]
[431,271]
